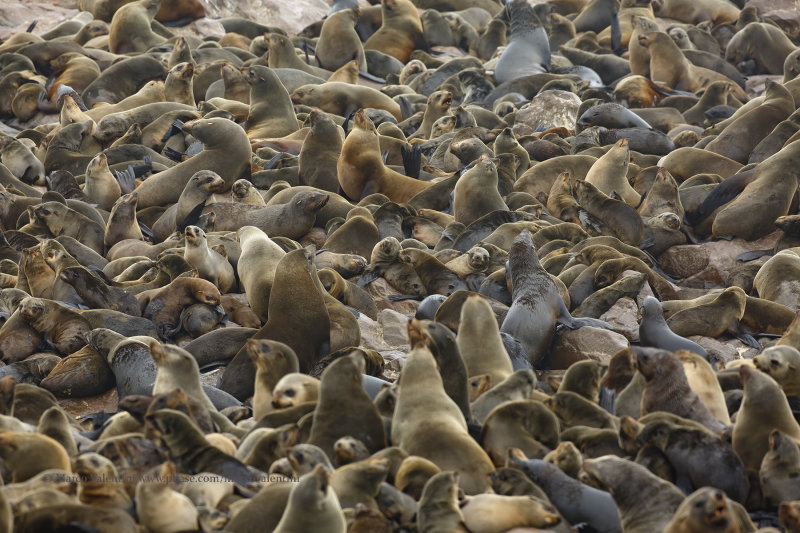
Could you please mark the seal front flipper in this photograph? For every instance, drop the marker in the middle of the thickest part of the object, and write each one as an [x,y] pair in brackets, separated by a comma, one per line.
[616,31]
[753,254]
[565,319]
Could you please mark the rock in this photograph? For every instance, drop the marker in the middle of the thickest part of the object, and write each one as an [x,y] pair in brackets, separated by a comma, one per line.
[709,264]
[292,18]
[82,406]
[200,28]
[787,19]
[391,323]
[623,317]
[583,343]
[550,109]
[380,291]
[15,17]
[394,360]
[717,351]
[394,327]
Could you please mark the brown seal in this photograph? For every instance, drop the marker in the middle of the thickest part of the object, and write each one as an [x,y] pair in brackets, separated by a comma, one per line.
[362,172]
[256,267]
[342,98]
[226,151]
[345,409]
[476,194]
[768,189]
[667,388]
[320,152]
[428,423]
[294,300]
[130,28]
[707,509]
[338,41]
[163,306]
[59,325]
[764,408]
[209,264]
[400,32]
[271,113]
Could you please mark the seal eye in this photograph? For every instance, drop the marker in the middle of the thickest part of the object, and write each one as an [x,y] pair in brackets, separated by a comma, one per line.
[289,393]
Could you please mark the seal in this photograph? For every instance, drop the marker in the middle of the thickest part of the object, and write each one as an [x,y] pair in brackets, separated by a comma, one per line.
[628,483]
[130,30]
[209,264]
[313,506]
[575,501]
[361,170]
[537,305]
[739,138]
[341,385]
[476,193]
[122,223]
[28,454]
[654,331]
[61,326]
[620,217]
[764,408]
[782,363]
[153,496]
[528,49]
[189,449]
[767,189]
[479,341]
[256,267]
[163,306]
[526,423]
[271,112]
[292,219]
[341,98]
[439,506]
[319,154]
[244,192]
[401,30]
[667,388]
[609,173]
[198,190]
[97,294]
[226,151]
[697,456]
[777,473]
[339,42]
[707,509]
[429,424]
[293,389]
[294,299]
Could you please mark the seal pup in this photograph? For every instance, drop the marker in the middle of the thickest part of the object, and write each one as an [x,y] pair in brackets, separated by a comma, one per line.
[536,305]
[313,506]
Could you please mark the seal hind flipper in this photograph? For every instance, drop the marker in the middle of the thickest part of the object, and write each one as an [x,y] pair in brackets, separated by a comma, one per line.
[126,179]
[20,240]
[147,232]
[368,277]
[566,320]
[191,218]
[412,161]
[608,400]
[723,193]
[370,77]
[174,129]
[273,161]
[173,154]
[406,110]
